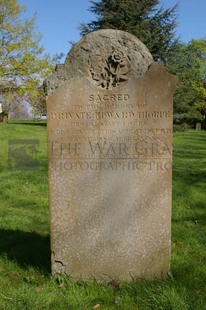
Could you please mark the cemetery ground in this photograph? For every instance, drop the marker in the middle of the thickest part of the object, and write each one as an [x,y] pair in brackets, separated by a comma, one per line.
[25,279]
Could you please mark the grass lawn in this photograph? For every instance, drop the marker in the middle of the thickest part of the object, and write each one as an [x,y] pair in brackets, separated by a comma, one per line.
[25,280]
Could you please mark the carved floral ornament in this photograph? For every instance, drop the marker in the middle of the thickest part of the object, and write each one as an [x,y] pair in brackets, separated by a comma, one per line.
[109,69]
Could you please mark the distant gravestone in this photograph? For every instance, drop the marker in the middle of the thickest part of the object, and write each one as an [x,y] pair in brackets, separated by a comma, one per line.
[110,158]
[3,116]
[198,126]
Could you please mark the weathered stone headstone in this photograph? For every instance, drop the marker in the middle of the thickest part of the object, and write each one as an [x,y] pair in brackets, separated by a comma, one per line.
[198,126]
[4,117]
[110,157]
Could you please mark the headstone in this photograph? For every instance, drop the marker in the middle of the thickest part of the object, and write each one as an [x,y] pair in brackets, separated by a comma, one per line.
[110,157]
[198,126]
[4,117]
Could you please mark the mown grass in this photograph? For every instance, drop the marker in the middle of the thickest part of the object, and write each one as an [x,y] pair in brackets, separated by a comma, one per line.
[25,280]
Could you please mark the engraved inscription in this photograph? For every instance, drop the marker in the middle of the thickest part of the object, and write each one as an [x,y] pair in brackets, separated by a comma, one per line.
[109,97]
[81,115]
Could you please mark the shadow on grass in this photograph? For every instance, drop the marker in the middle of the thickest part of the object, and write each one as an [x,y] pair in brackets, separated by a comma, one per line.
[31,123]
[189,177]
[25,248]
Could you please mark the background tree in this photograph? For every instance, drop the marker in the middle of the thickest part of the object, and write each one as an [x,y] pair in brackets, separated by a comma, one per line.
[153,25]
[189,64]
[22,63]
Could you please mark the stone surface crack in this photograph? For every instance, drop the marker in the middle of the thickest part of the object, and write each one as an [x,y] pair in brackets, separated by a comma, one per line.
[60,262]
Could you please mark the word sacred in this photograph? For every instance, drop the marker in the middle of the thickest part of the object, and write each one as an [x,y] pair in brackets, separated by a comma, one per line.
[109,97]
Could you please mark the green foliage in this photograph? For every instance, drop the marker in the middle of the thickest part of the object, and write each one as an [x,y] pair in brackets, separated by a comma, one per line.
[152,25]
[22,64]
[183,127]
[189,64]
[25,280]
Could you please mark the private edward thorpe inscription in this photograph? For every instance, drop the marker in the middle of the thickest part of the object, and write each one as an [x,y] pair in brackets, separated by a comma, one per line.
[110,159]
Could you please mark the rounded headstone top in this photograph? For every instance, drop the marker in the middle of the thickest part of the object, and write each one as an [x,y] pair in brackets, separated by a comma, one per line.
[107,57]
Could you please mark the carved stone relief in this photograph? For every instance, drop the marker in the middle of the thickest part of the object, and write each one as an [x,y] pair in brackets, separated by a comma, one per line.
[109,69]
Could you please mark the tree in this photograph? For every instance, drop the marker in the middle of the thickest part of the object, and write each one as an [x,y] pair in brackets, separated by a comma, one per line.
[154,26]
[189,64]
[22,63]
